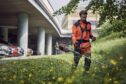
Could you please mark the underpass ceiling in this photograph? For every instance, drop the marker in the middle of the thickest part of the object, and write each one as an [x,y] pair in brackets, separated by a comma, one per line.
[10,9]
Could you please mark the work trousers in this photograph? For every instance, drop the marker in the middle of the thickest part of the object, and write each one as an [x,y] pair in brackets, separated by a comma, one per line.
[87,59]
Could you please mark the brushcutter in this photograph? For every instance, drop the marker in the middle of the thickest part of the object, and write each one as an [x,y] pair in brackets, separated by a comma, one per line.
[62,47]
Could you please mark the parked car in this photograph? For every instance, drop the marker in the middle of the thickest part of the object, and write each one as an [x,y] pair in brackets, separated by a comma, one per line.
[10,50]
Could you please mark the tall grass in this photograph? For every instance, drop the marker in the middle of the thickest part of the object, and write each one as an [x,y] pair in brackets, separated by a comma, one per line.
[108,67]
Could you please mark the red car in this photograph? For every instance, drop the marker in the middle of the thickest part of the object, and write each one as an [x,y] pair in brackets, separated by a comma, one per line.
[10,50]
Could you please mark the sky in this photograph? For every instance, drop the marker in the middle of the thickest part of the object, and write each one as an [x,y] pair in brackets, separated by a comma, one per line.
[57,4]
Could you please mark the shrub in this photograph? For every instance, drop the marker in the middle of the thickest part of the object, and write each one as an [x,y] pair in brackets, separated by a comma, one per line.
[117,26]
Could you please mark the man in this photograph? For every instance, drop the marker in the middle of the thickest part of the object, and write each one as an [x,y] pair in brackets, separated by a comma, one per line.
[81,34]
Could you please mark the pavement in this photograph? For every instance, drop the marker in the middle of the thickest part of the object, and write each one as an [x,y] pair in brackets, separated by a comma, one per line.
[22,57]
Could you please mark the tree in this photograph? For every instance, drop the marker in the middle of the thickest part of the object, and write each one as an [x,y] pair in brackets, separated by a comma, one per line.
[108,9]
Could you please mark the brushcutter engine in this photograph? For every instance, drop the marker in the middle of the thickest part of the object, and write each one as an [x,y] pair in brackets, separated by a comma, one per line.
[62,47]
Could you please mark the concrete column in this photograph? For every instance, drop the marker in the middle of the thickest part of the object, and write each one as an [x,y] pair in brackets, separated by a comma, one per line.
[49,45]
[23,31]
[5,34]
[104,1]
[41,41]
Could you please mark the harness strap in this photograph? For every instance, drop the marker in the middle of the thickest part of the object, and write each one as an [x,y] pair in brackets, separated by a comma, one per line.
[83,30]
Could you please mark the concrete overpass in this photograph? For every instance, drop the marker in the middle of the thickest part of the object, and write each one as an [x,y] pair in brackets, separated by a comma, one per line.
[30,23]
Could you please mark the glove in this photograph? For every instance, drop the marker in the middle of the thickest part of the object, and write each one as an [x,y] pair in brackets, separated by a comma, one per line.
[76,44]
[93,38]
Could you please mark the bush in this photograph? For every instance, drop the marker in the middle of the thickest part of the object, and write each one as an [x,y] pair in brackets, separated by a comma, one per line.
[115,27]
[111,57]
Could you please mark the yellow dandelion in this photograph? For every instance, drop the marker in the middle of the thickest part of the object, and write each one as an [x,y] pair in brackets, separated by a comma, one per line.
[49,82]
[51,70]
[107,80]
[113,62]
[4,78]
[42,82]
[73,77]
[69,80]
[21,82]
[51,63]
[95,68]
[103,66]
[76,71]
[14,62]
[121,58]
[110,79]
[60,79]
[10,79]
[30,75]
[93,74]
[81,69]
[14,77]
[53,77]
[24,69]
[116,82]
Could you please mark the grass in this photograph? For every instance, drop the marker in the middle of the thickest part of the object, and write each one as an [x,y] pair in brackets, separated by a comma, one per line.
[108,67]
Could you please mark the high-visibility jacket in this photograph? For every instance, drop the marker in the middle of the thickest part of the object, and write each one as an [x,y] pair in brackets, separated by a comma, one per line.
[81,30]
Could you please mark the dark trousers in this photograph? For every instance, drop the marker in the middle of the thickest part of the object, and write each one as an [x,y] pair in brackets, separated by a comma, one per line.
[77,58]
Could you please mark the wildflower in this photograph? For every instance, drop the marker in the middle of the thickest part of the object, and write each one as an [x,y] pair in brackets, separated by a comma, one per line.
[14,77]
[103,66]
[69,80]
[110,79]
[51,69]
[51,63]
[113,62]
[4,78]
[116,82]
[21,82]
[60,79]
[49,82]
[30,75]
[13,62]
[10,79]
[53,77]
[95,68]
[93,74]
[121,58]
[42,82]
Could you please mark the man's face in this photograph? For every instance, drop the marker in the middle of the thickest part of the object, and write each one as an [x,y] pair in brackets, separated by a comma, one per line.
[83,16]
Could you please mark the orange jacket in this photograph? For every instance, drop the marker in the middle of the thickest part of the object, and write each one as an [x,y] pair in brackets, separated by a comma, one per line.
[77,29]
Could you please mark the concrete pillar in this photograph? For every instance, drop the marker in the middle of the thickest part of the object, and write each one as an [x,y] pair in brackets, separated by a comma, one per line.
[5,34]
[23,31]
[104,1]
[41,42]
[49,45]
